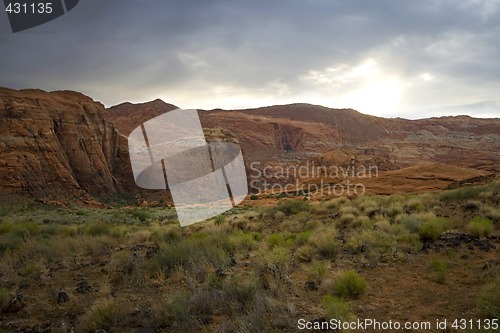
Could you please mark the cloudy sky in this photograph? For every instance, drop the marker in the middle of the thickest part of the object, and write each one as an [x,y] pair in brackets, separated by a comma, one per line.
[398,58]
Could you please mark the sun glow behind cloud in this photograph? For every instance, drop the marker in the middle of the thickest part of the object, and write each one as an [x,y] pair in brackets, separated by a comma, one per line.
[365,87]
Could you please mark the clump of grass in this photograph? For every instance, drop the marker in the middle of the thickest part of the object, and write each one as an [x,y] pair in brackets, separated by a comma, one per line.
[349,284]
[219,219]
[431,229]
[241,289]
[305,253]
[103,315]
[469,192]
[337,202]
[292,207]
[480,227]
[188,253]
[493,213]
[325,241]
[141,214]
[336,308]
[99,228]
[275,240]
[414,205]
[376,244]
[275,261]
[440,269]
[489,300]
[317,271]
[4,297]
[173,308]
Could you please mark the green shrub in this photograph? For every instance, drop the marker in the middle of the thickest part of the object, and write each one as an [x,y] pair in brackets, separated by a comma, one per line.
[241,289]
[440,269]
[336,308]
[431,230]
[349,284]
[140,214]
[275,240]
[4,297]
[305,253]
[480,227]
[292,207]
[489,300]
[414,205]
[219,219]
[325,241]
[173,308]
[375,243]
[469,192]
[95,228]
[317,271]
[254,197]
[189,253]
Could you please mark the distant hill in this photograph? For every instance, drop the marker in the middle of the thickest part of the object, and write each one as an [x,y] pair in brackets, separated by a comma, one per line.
[65,145]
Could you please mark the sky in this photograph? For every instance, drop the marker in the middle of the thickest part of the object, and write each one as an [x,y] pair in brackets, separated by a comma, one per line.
[404,58]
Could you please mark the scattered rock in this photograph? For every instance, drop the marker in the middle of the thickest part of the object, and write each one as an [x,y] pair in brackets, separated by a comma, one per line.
[311,285]
[62,297]
[16,304]
[83,287]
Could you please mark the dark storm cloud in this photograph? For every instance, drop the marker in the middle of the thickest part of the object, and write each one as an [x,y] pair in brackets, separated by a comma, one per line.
[238,53]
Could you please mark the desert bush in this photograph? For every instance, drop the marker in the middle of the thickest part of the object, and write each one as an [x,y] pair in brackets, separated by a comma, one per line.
[33,269]
[103,315]
[219,219]
[325,241]
[22,229]
[480,227]
[489,300]
[241,289]
[337,202]
[407,242]
[188,252]
[440,269]
[239,241]
[317,271]
[301,238]
[348,210]
[347,219]
[141,214]
[468,192]
[368,206]
[305,253]
[275,240]
[493,213]
[376,244]
[292,207]
[336,308]
[414,205]
[9,242]
[430,230]
[320,209]
[95,228]
[254,197]
[4,297]
[393,210]
[349,284]
[276,261]
[173,308]
[472,205]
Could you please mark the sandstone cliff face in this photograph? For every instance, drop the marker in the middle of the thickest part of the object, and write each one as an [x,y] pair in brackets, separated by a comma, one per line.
[57,145]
